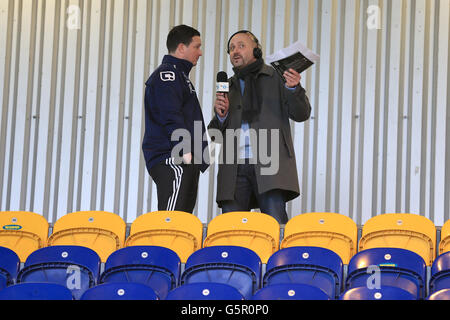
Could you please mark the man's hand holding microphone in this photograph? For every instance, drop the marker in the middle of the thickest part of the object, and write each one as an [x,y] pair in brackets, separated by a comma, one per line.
[222,103]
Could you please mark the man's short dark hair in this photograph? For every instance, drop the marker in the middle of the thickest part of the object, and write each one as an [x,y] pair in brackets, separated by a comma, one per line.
[180,34]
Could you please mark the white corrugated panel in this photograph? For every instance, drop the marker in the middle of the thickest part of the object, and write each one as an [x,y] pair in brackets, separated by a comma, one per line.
[72,79]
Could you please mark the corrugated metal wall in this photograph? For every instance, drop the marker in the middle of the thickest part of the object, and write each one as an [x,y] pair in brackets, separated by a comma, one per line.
[72,76]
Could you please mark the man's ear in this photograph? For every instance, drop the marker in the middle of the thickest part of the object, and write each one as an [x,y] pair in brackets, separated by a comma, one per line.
[181,49]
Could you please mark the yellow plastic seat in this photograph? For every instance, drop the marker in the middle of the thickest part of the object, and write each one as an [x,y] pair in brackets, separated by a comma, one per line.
[23,232]
[179,231]
[444,244]
[332,231]
[401,230]
[103,232]
[253,230]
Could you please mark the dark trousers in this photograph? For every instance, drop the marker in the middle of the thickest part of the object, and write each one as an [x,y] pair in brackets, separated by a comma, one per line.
[271,202]
[176,185]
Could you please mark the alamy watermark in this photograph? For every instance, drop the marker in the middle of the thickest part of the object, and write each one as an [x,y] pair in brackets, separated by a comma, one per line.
[265,147]
[374,280]
[73,17]
[73,281]
[73,21]
[374,17]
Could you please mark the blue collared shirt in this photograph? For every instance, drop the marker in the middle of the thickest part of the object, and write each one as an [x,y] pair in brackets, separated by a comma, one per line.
[245,150]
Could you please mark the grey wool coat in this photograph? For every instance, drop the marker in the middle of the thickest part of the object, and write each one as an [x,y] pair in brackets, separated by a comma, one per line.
[272,146]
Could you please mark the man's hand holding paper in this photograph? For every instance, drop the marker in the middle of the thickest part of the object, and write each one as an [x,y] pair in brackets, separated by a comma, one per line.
[292,78]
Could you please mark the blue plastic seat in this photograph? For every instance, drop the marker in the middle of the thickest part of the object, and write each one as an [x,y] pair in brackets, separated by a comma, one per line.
[290,291]
[314,266]
[443,294]
[36,291]
[398,268]
[384,293]
[74,267]
[238,267]
[9,267]
[156,267]
[205,291]
[440,273]
[120,291]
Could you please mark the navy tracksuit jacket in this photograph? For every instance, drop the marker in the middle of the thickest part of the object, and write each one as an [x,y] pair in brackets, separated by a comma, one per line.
[171,103]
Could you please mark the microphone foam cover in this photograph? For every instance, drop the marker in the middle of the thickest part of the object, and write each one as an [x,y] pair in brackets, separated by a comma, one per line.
[222,76]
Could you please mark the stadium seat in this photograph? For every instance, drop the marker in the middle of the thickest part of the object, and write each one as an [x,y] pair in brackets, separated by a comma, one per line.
[444,244]
[9,267]
[443,294]
[120,291]
[290,291]
[253,230]
[401,230]
[23,232]
[36,291]
[318,267]
[399,268]
[156,267]
[103,232]
[332,231]
[236,266]
[75,267]
[384,293]
[179,231]
[205,291]
[440,273]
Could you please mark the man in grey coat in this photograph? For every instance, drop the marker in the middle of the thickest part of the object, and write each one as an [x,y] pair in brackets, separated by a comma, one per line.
[257,167]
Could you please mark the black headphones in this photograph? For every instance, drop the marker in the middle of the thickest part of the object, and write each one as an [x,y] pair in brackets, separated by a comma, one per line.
[257,52]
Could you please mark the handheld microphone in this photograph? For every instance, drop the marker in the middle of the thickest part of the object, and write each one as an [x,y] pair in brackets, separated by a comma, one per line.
[222,84]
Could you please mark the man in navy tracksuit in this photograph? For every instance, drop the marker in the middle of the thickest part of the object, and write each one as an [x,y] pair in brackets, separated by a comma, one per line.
[174,147]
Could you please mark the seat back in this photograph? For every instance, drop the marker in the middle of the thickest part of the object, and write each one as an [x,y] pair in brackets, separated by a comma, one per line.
[443,294]
[392,267]
[332,231]
[401,230]
[74,267]
[9,267]
[205,291]
[120,291]
[103,232]
[444,244]
[314,266]
[23,232]
[290,291]
[36,291]
[384,293]
[238,267]
[253,230]
[156,267]
[179,231]
[440,273]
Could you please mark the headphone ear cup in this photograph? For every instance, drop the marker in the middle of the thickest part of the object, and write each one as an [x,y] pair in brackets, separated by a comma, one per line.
[257,53]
